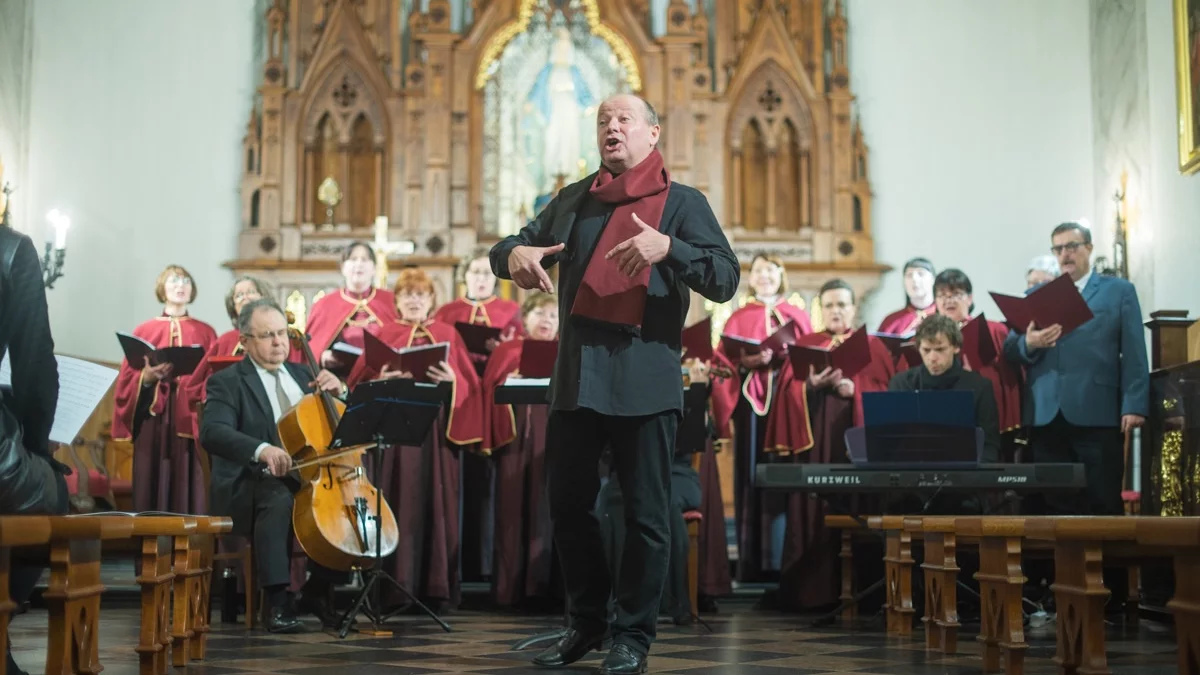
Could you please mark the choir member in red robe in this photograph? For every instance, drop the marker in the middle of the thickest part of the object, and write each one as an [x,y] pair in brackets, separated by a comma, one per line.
[524,573]
[480,306]
[759,318]
[150,409]
[918,294]
[953,293]
[724,391]
[343,315]
[422,484]
[808,424]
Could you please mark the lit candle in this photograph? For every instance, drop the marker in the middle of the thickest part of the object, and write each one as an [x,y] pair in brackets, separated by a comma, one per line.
[61,223]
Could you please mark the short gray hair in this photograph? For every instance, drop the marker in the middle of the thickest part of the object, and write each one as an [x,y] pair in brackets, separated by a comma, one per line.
[247,313]
[651,113]
[1044,263]
[1079,227]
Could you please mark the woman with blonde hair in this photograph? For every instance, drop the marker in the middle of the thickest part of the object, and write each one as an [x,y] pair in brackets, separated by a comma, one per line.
[151,412]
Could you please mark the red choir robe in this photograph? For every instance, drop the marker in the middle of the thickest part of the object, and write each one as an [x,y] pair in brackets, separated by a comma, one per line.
[166,471]
[756,321]
[1007,379]
[422,484]
[515,436]
[342,316]
[807,426]
[478,479]
[724,391]
[905,321]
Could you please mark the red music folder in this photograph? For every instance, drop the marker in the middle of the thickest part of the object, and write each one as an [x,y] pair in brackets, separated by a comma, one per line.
[851,356]
[219,363]
[777,342]
[697,341]
[414,360]
[978,346]
[537,358]
[1057,302]
[475,336]
[184,359]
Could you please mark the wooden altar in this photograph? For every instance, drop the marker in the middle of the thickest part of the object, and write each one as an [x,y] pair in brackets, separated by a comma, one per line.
[400,110]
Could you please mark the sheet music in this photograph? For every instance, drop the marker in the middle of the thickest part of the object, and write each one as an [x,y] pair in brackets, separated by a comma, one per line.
[81,386]
[528,382]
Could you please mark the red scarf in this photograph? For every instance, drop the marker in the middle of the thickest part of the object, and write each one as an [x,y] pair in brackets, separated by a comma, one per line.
[606,293]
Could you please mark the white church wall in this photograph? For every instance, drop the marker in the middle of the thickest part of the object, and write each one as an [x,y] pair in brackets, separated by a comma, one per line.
[16,40]
[978,118]
[138,109]
[1172,220]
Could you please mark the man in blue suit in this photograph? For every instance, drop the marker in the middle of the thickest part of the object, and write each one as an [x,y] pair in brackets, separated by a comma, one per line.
[1086,389]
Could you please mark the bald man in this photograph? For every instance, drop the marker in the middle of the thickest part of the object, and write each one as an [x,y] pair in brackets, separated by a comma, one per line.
[629,244]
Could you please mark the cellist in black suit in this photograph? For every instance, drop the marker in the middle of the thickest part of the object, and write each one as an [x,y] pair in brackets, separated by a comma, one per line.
[250,481]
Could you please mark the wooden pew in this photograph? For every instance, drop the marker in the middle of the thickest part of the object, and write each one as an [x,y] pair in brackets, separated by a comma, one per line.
[849,528]
[73,596]
[15,532]
[898,562]
[193,588]
[1182,537]
[941,580]
[158,535]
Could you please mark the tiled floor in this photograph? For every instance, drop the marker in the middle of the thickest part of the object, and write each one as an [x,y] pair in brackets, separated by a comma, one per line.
[743,642]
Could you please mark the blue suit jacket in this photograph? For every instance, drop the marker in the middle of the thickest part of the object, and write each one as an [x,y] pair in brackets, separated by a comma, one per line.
[1098,372]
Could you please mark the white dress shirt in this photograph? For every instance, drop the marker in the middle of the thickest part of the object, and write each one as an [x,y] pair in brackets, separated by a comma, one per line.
[290,387]
[1083,280]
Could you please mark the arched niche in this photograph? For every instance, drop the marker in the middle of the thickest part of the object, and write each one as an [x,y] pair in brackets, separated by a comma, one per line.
[772,139]
[344,136]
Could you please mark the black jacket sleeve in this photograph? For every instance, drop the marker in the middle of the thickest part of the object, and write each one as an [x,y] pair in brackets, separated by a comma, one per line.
[219,434]
[536,233]
[987,417]
[25,328]
[700,253]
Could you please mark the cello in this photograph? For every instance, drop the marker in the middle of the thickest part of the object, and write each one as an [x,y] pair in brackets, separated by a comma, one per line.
[334,513]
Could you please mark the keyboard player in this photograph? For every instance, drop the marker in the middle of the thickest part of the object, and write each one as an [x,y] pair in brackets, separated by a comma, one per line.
[939,341]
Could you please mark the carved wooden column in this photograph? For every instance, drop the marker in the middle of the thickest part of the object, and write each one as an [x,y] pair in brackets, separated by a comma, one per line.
[805,189]
[736,198]
[772,224]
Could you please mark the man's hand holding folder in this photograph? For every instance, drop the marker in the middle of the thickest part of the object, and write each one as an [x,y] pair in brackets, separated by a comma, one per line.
[1047,314]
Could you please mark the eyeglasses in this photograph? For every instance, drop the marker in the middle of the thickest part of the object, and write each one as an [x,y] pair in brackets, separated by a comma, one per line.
[957,295]
[1070,247]
[276,335]
[181,280]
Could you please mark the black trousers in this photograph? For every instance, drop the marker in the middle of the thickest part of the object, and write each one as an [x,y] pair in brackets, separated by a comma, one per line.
[1099,449]
[273,535]
[642,448]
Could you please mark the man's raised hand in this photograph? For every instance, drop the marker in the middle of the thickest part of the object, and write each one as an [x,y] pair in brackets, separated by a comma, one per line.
[525,266]
[647,247]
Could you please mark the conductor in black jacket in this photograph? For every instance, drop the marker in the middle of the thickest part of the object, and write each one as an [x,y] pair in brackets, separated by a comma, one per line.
[629,245]
[250,481]
[31,481]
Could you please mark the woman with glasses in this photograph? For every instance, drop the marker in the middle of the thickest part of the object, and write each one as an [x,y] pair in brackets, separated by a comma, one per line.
[422,484]
[150,409]
[953,295]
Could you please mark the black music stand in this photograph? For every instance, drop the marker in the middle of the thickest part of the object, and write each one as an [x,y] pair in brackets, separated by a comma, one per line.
[386,413]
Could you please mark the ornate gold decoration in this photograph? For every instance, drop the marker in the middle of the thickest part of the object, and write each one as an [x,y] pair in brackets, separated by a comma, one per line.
[591,11]
[330,195]
[1170,500]
[1186,62]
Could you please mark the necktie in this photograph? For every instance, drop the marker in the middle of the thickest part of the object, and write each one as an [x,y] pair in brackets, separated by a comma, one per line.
[285,403]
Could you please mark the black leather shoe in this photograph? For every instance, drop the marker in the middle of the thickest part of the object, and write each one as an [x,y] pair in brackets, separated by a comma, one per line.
[281,620]
[623,660]
[569,649]
[319,606]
